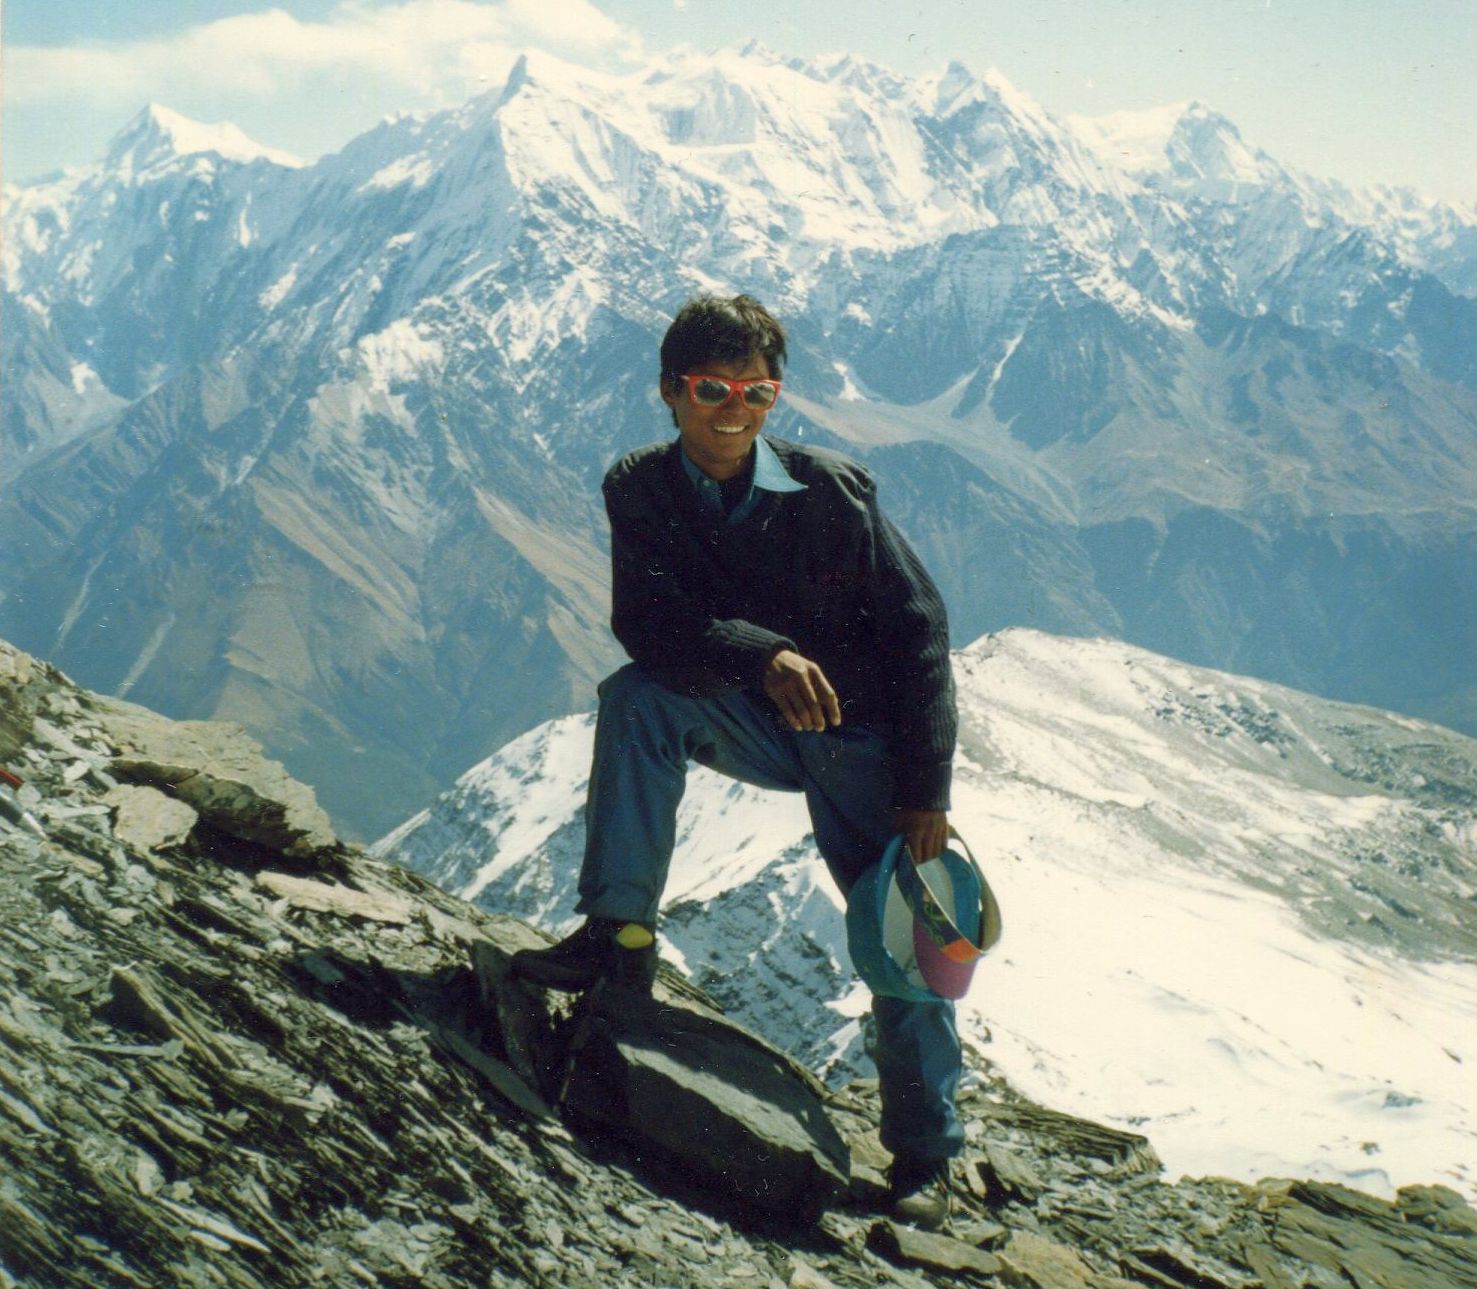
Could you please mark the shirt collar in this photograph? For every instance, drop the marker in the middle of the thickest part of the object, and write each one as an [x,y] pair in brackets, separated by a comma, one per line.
[769,472]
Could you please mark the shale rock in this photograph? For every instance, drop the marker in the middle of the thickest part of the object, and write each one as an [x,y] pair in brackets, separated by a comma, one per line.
[146,819]
[234,1052]
[222,774]
[709,1102]
[18,698]
[1029,1261]
[933,1251]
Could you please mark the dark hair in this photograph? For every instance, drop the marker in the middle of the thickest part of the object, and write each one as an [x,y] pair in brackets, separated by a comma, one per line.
[711,329]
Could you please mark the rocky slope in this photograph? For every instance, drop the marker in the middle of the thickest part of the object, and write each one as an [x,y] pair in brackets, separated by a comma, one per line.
[238,1052]
[1200,403]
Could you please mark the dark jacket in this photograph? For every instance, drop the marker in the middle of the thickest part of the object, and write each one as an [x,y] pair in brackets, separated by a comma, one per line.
[702,604]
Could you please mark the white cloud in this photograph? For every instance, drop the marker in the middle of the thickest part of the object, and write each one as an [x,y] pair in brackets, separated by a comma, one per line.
[436,51]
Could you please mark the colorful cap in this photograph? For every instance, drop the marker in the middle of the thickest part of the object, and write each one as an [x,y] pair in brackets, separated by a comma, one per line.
[917,930]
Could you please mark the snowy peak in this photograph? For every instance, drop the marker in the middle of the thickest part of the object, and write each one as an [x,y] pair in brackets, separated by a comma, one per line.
[517,78]
[958,95]
[536,69]
[539,69]
[758,51]
[1135,141]
[159,135]
[955,85]
[1190,151]
[1190,142]
[1205,145]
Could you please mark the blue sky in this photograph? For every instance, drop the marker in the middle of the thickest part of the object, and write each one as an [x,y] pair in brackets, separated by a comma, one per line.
[1362,90]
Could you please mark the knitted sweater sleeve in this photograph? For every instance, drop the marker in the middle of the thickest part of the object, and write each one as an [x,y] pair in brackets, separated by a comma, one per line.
[657,613]
[913,637]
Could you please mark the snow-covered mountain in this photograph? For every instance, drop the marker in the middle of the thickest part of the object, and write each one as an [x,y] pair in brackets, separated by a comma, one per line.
[1236,915]
[315,447]
[1200,156]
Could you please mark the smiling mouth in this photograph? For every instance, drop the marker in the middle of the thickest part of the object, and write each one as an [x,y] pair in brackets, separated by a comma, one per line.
[729,429]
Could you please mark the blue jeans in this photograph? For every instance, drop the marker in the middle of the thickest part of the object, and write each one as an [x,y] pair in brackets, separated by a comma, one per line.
[644,738]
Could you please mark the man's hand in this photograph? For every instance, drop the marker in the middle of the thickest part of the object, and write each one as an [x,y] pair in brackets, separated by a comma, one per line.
[925,831]
[799,688]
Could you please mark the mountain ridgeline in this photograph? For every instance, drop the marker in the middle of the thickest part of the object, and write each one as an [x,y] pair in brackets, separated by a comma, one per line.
[316,447]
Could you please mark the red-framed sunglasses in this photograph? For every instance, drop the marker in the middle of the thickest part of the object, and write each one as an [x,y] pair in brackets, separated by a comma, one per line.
[759,394]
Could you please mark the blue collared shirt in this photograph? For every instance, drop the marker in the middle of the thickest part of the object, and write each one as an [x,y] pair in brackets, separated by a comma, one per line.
[768,474]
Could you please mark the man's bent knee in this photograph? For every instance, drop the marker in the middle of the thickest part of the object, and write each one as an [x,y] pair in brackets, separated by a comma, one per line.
[630,685]
[633,705]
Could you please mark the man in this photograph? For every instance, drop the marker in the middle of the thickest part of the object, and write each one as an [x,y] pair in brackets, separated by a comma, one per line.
[783,633]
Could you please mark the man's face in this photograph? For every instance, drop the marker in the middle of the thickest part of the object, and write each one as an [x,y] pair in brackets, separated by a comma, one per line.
[718,439]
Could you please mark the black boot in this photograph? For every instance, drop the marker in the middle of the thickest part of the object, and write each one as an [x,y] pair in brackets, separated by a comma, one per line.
[624,953]
[919,1192]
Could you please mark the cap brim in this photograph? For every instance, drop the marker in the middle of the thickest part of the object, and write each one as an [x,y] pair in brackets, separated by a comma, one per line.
[944,945]
[943,975]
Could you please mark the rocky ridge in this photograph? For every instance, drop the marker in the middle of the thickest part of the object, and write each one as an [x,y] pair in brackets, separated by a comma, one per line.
[235,1051]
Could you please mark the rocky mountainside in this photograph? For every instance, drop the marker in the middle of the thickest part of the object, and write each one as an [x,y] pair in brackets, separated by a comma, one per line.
[240,1052]
[1239,917]
[315,447]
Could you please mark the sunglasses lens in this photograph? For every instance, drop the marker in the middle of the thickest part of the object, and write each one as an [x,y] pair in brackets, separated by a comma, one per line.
[760,395]
[710,393]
